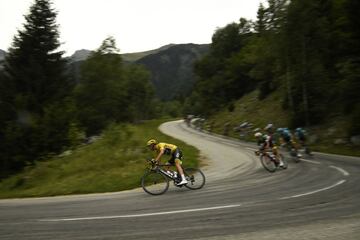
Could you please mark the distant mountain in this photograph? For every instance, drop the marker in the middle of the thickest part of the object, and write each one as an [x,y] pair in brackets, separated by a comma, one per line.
[80,55]
[2,58]
[132,57]
[2,54]
[83,54]
[172,69]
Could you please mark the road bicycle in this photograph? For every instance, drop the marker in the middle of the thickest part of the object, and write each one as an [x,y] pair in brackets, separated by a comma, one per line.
[155,180]
[268,160]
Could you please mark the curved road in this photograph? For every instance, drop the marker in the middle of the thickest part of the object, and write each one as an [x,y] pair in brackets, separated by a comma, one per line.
[317,198]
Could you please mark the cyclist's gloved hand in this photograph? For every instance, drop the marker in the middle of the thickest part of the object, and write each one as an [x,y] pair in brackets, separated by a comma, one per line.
[154,162]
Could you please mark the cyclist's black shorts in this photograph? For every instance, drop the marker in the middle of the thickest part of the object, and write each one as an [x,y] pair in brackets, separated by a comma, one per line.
[176,155]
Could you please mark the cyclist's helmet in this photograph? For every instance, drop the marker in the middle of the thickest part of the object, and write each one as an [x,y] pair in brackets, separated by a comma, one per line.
[279,130]
[298,130]
[258,134]
[286,132]
[269,127]
[151,142]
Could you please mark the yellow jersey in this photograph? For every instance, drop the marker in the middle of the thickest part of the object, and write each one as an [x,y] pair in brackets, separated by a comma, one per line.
[167,147]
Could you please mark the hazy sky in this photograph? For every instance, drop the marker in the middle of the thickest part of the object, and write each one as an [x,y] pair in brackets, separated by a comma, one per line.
[137,25]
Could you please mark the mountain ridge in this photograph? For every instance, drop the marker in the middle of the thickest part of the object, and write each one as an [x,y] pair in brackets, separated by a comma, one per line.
[172,69]
[83,54]
[2,55]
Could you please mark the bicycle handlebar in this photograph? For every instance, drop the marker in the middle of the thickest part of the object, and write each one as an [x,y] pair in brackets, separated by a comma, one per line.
[155,164]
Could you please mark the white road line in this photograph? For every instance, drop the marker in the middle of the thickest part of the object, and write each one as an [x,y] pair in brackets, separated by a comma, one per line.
[345,173]
[316,191]
[140,215]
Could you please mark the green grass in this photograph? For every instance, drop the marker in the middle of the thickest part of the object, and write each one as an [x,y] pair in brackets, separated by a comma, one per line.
[115,162]
[250,109]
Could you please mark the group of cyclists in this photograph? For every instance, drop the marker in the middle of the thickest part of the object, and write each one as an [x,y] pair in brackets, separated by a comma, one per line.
[272,138]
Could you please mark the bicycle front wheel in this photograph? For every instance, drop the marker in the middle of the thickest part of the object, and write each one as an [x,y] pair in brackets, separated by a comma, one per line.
[195,178]
[154,183]
[268,163]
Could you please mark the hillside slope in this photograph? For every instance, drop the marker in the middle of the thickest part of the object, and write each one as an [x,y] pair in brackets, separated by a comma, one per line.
[114,161]
[331,136]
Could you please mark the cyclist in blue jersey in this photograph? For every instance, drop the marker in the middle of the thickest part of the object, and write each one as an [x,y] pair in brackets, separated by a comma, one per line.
[286,139]
[301,134]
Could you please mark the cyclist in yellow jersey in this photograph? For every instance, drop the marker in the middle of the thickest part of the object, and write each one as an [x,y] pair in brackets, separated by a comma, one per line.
[173,151]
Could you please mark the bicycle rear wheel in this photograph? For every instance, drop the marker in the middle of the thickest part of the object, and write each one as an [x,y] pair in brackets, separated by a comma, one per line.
[154,183]
[268,163]
[195,178]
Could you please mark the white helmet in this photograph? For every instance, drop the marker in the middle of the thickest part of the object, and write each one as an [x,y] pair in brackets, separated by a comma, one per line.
[269,126]
[258,134]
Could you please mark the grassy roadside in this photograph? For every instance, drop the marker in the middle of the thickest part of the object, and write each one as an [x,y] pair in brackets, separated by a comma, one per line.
[260,113]
[115,162]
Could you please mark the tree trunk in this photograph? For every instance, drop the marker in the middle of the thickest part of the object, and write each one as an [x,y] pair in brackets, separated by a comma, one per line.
[304,80]
[288,85]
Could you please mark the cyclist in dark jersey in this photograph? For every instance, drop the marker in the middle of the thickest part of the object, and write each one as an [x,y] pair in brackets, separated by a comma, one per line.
[300,135]
[266,143]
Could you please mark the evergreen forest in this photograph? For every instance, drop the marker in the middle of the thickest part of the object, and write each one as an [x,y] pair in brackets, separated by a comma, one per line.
[308,50]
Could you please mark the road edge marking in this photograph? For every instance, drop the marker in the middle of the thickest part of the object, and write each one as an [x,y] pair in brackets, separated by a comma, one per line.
[310,161]
[344,172]
[315,191]
[140,215]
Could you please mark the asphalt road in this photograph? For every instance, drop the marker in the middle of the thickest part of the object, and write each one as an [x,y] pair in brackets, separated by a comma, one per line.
[318,198]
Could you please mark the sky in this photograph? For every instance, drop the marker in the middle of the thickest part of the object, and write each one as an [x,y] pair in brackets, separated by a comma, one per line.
[137,25]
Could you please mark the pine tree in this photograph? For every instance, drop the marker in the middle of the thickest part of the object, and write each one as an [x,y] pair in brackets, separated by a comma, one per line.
[33,65]
[110,91]
[101,94]
[34,82]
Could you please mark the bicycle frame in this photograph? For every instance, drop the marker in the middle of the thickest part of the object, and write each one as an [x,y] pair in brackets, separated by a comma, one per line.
[159,168]
[270,154]
[159,178]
